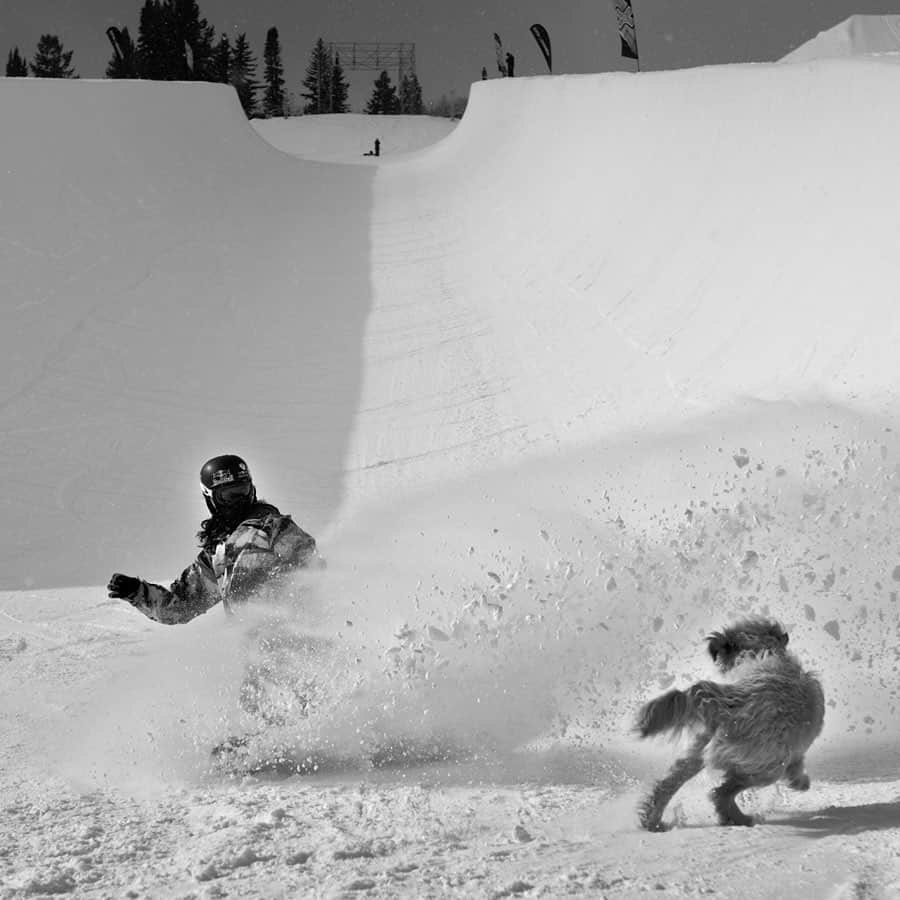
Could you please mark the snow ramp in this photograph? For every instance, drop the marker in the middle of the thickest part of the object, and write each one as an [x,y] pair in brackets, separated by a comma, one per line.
[173,288]
[637,334]
[589,255]
[617,357]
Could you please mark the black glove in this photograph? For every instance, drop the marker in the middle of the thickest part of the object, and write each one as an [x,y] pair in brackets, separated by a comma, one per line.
[123,587]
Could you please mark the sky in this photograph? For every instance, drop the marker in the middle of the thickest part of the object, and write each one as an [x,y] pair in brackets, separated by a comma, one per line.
[452,47]
[554,405]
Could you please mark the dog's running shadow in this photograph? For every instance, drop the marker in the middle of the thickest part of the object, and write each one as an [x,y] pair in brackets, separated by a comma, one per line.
[844,820]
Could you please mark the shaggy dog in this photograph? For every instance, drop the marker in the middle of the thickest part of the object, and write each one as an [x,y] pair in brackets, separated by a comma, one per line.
[756,728]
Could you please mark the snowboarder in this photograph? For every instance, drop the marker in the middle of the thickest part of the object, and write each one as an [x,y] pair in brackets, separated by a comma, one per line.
[246,545]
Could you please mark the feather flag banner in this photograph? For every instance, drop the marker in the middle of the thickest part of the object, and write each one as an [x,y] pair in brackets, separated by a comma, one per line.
[539,33]
[627,33]
[501,63]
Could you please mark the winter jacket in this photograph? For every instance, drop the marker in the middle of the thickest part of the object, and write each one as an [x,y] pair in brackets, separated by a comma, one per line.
[235,562]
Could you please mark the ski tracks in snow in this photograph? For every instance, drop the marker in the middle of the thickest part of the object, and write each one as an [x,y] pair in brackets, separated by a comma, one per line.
[423,839]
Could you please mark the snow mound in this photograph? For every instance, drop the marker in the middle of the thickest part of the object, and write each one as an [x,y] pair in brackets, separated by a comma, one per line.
[856,36]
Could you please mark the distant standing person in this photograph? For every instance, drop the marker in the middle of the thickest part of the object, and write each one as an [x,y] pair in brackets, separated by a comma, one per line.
[246,546]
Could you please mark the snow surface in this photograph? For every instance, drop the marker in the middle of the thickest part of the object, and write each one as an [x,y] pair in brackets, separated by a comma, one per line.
[855,36]
[351,137]
[607,365]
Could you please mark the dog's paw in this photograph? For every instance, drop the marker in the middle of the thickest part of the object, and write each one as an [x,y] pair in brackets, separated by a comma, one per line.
[650,816]
[739,819]
[800,783]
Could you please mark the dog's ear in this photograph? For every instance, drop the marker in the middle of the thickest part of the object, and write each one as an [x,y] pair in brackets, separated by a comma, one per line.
[717,644]
[784,639]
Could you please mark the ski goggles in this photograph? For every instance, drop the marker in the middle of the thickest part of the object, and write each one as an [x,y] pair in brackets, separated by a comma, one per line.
[233,494]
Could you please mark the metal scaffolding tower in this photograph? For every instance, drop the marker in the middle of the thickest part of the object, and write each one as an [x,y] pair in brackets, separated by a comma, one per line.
[375,57]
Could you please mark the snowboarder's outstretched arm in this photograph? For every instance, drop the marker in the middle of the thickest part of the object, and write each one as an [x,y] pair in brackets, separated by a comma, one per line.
[189,596]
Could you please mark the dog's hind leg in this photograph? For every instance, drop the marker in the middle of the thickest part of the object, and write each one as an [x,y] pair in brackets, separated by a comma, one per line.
[723,797]
[652,807]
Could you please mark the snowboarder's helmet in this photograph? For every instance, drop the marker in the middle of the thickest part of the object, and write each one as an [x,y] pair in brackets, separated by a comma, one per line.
[226,482]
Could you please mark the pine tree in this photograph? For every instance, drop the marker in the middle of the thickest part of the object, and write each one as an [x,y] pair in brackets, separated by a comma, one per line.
[411,96]
[178,24]
[174,42]
[451,107]
[203,53]
[242,74]
[154,45]
[273,99]
[16,67]
[384,99]
[221,61]
[124,60]
[192,40]
[318,81]
[340,90]
[51,61]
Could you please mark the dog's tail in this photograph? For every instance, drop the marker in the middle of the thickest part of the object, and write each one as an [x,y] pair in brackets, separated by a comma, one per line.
[699,707]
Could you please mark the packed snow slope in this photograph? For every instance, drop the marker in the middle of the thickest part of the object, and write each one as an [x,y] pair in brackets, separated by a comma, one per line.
[586,256]
[350,137]
[540,278]
[172,285]
[609,365]
[858,35]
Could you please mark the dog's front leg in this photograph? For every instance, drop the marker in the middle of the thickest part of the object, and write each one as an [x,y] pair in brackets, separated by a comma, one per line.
[724,797]
[796,777]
